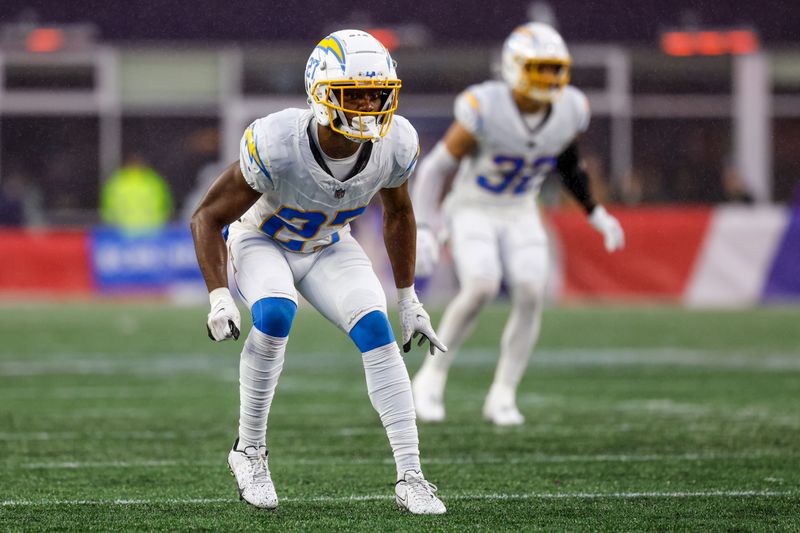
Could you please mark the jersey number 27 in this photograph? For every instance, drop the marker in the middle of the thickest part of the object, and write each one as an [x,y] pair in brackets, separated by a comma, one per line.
[304,224]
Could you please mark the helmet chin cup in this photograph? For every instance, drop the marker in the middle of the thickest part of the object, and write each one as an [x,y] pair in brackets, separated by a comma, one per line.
[545,96]
[367,127]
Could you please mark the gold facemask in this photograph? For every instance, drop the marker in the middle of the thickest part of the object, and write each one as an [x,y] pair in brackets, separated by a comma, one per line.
[543,79]
[366,125]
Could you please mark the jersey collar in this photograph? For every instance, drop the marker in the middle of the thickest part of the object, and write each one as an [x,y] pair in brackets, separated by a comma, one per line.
[361,162]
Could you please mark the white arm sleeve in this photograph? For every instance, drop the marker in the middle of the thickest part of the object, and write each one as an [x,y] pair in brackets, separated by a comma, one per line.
[432,173]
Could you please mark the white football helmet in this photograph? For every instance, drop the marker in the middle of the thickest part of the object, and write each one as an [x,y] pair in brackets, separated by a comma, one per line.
[530,47]
[346,60]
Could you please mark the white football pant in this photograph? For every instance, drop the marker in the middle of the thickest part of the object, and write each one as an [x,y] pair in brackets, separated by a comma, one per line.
[489,246]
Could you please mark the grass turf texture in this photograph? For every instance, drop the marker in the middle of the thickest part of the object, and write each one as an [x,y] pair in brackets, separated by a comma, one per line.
[119,416]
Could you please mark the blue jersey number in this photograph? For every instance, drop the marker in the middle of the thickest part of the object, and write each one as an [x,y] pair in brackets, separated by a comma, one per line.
[514,175]
[304,224]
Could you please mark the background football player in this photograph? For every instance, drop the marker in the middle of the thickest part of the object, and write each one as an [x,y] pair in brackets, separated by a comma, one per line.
[302,176]
[506,137]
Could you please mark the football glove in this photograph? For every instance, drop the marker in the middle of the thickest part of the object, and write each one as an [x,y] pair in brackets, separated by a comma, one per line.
[609,227]
[414,321]
[427,251]
[223,320]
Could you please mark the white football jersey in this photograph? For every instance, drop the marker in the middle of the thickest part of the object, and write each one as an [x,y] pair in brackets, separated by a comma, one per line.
[511,160]
[303,207]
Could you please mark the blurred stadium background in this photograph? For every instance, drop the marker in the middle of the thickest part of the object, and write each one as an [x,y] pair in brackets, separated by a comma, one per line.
[694,145]
[696,124]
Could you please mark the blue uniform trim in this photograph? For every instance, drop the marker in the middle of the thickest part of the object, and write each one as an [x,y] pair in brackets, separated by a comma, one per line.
[273,316]
[372,331]
[225,231]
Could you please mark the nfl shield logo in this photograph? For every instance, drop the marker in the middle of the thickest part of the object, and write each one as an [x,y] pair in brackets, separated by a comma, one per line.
[339,193]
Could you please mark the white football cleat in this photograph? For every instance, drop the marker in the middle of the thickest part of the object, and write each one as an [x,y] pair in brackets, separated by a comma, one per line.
[508,415]
[417,496]
[249,467]
[427,391]
[500,408]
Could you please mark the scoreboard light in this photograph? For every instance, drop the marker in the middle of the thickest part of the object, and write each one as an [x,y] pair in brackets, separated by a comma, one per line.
[45,40]
[709,42]
[386,36]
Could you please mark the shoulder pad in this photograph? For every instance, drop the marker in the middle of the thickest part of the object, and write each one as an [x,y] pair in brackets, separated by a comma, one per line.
[265,147]
[578,105]
[405,144]
[467,109]
[253,160]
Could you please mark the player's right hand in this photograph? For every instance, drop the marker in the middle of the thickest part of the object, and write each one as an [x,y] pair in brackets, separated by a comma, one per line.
[427,251]
[224,320]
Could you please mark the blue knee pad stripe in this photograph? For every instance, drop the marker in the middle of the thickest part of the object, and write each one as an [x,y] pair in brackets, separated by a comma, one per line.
[372,331]
[273,316]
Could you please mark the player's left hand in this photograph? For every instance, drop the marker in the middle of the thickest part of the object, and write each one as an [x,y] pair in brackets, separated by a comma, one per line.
[414,321]
[610,228]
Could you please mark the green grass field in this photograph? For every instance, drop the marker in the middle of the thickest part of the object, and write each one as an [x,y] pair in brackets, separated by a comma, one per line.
[119,416]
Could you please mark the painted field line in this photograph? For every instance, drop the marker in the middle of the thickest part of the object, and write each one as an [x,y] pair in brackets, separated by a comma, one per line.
[156,390]
[105,435]
[463,496]
[200,363]
[476,460]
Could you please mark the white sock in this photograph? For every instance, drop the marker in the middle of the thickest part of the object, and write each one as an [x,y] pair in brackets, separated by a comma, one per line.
[390,393]
[259,368]
[519,337]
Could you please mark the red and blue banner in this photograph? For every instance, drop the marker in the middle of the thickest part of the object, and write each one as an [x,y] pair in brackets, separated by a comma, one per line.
[729,256]
[150,262]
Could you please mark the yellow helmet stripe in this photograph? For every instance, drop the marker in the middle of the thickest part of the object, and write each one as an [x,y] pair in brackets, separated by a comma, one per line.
[524,30]
[332,44]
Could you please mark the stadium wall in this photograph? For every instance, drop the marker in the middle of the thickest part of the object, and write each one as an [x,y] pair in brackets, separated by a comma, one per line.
[697,256]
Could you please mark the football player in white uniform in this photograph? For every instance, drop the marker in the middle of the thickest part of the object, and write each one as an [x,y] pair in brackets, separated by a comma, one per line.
[285,210]
[506,137]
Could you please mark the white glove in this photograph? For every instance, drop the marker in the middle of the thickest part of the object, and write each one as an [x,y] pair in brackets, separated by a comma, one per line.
[609,226]
[415,321]
[223,320]
[427,251]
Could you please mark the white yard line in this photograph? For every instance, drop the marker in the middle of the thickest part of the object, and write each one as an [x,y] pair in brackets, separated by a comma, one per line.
[475,460]
[464,496]
[196,363]
[104,435]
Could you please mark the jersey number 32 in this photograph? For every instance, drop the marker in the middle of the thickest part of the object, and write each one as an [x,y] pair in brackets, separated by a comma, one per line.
[514,175]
